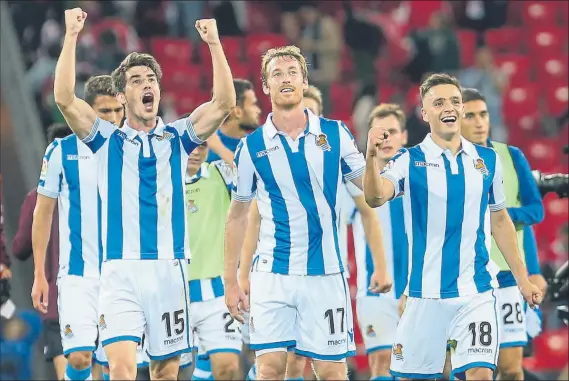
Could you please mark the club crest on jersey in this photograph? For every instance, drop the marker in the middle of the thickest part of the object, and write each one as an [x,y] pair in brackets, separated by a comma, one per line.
[43,172]
[192,207]
[102,323]
[165,136]
[322,142]
[369,331]
[480,166]
[68,333]
[398,351]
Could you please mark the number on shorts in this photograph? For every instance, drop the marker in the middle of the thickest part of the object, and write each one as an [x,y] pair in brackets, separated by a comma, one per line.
[329,314]
[485,329]
[229,323]
[510,308]
[178,322]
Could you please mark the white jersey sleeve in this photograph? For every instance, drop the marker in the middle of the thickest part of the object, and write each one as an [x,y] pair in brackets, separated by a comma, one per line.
[497,196]
[188,136]
[100,132]
[353,190]
[244,182]
[396,170]
[51,171]
[225,170]
[353,162]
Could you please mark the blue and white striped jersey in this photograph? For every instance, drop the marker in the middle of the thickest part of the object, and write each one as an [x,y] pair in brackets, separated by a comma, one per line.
[296,184]
[69,173]
[394,246]
[141,184]
[447,202]
[346,194]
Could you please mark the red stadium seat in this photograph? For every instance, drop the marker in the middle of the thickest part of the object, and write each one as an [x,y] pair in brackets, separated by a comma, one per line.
[232,46]
[188,100]
[543,154]
[539,13]
[552,69]
[520,101]
[186,77]
[506,40]
[421,12]
[171,50]
[258,44]
[240,70]
[517,67]
[557,98]
[467,43]
[564,13]
[547,40]
[342,97]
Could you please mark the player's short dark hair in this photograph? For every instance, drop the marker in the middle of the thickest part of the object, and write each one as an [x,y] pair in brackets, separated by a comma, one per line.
[58,131]
[386,109]
[241,86]
[132,60]
[436,80]
[98,85]
[470,95]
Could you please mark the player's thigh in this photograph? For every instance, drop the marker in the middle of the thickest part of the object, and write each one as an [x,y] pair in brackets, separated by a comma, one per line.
[217,330]
[166,308]
[475,330]
[52,337]
[295,365]
[78,305]
[331,370]
[420,340]
[224,365]
[272,318]
[325,320]
[378,318]
[513,332]
[510,361]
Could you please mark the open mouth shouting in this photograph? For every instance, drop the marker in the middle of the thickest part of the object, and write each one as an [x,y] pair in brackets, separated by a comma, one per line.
[286,90]
[449,120]
[148,101]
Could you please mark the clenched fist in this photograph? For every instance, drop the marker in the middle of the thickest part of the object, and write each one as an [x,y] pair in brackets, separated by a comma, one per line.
[208,30]
[375,139]
[74,20]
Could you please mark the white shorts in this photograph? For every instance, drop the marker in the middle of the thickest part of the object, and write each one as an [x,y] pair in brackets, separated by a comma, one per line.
[469,322]
[245,336]
[215,328]
[146,296]
[378,317]
[311,313]
[513,331]
[77,303]
[142,360]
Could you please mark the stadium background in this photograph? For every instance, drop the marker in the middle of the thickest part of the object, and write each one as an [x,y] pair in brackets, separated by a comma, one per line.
[360,53]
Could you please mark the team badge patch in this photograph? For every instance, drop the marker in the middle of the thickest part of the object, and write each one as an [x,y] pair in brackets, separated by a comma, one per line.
[369,331]
[398,351]
[68,332]
[192,206]
[102,323]
[322,142]
[43,172]
[480,166]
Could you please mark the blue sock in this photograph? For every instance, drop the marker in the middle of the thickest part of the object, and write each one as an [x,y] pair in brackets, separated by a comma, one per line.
[202,371]
[252,375]
[295,379]
[106,376]
[77,375]
[382,378]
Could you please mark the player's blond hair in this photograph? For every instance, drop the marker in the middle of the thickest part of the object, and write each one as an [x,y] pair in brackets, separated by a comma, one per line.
[283,51]
[315,94]
[386,109]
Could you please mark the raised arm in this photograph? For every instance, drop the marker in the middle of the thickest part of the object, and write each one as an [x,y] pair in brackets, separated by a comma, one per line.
[209,116]
[377,190]
[78,114]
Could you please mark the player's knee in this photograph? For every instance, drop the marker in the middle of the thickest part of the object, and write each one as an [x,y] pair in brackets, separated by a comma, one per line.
[484,374]
[379,363]
[331,370]
[511,374]
[79,360]
[164,369]
[122,371]
[226,370]
[271,370]
[295,366]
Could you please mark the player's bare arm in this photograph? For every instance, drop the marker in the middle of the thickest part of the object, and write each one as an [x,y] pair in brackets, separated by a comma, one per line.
[209,116]
[377,190]
[215,144]
[78,114]
[504,233]
[249,246]
[41,228]
[380,280]
[235,228]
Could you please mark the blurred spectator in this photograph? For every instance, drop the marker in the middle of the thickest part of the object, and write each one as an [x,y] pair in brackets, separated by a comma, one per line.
[416,127]
[290,27]
[150,19]
[110,54]
[321,43]
[365,42]
[559,248]
[443,44]
[42,69]
[480,15]
[4,258]
[182,16]
[226,17]
[365,102]
[491,82]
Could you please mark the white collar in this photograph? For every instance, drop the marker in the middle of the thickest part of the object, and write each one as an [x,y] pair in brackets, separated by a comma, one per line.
[313,125]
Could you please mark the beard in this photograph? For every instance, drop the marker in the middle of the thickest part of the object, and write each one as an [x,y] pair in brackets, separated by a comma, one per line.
[248,127]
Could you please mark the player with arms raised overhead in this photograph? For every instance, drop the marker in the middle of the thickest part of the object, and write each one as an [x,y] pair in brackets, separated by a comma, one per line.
[295,165]
[140,178]
[453,199]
